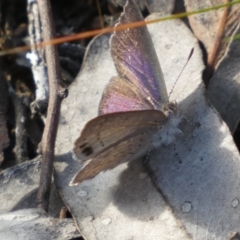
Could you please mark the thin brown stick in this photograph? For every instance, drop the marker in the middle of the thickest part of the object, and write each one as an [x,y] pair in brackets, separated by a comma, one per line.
[4,139]
[100,13]
[55,97]
[63,213]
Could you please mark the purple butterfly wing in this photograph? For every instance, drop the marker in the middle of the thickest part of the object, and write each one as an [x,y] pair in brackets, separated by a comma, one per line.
[135,59]
[121,95]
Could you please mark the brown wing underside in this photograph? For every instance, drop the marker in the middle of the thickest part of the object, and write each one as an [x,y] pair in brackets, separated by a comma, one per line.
[107,131]
[125,151]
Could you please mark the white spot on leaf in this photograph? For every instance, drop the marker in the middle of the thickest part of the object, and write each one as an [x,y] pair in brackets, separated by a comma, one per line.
[82,193]
[235,203]
[186,207]
[106,221]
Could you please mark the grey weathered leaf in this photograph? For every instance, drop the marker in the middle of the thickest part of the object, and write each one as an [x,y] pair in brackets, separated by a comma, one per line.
[19,185]
[196,184]
[35,224]
[140,3]
[160,6]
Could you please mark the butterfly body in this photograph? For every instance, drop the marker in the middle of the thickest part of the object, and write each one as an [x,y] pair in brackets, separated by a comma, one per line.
[166,135]
[134,113]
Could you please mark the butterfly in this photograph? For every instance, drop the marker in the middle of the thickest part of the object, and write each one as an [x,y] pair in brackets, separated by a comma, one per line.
[135,114]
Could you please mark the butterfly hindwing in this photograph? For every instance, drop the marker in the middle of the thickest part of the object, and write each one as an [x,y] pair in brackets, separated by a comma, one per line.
[127,150]
[106,131]
[120,95]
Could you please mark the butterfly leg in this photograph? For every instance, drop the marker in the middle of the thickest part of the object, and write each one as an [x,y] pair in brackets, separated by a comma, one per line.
[146,157]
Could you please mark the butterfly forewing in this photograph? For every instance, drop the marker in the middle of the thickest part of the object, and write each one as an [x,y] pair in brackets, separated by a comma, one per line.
[106,131]
[127,150]
[135,58]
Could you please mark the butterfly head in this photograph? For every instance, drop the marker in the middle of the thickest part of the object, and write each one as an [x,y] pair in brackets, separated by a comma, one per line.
[169,109]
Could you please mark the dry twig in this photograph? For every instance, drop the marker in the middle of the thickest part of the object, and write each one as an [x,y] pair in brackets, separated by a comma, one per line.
[4,140]
[56,94]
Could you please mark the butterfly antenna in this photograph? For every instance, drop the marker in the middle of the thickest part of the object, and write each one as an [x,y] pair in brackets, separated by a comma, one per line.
[189,57]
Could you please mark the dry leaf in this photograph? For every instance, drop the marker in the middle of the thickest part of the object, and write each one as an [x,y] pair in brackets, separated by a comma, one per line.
[191,184]
[224,88]
[19,185]
[211,27]
[160,6]
[35,224]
